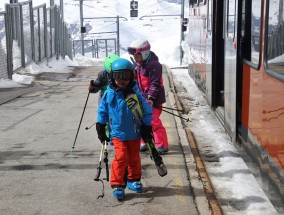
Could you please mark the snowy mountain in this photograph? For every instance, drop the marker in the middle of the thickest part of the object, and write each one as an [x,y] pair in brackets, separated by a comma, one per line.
[158,21]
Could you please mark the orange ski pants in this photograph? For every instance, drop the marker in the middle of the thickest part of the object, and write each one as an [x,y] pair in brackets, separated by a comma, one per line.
[127,155]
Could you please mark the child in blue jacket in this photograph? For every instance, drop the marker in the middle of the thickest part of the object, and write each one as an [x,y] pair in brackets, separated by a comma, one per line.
[126,129]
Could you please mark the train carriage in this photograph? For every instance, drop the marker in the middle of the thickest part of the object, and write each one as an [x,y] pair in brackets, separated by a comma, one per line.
[236,55]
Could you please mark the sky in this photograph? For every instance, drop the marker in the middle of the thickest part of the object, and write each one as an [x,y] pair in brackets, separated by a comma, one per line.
[165,43]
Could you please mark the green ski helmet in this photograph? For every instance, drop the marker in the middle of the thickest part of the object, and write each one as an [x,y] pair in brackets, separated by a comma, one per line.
[108,61]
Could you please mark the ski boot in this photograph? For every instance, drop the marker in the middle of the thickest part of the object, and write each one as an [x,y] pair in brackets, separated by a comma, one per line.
[118,193]
[135,186]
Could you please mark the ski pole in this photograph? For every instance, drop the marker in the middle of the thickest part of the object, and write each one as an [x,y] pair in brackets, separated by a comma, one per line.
[87,128]
[106,162]
[73,147]
[131,58]
[187,120]
[99,168]
[182,111]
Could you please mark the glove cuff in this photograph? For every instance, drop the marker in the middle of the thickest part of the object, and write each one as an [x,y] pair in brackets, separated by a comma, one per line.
[100,127]
[151,98]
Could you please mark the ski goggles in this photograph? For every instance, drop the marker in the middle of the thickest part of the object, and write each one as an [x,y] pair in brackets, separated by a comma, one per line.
[134,51]
[122,75]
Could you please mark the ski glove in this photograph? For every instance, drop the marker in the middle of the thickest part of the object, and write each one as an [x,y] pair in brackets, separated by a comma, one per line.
[101,131]
[146,133]
[150,100]
[93,87]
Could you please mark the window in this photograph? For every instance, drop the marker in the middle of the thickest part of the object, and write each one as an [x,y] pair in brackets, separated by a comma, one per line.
[275,37]
[250,31]
[255,30]
[231,18]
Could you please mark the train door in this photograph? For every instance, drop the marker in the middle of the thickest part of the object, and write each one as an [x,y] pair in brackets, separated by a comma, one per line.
[230,66]
[248,59]
[217,59]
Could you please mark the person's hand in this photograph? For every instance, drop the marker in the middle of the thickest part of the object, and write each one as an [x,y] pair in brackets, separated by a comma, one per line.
[91,86]
[101,131]
[146,132]
[150,100]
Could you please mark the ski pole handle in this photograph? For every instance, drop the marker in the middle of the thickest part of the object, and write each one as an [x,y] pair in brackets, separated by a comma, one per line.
[99,168]
[106,161]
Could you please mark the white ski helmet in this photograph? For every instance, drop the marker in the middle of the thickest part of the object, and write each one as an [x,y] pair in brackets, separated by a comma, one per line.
[140,46]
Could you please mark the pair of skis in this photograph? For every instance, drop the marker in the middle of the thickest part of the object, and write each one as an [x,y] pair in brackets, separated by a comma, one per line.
[158,160]
[134,105]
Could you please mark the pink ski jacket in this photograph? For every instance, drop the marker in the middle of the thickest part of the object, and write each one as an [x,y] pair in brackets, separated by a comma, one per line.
[150,79]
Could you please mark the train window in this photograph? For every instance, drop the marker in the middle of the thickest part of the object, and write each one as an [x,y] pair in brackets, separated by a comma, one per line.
[255,30]
[251,26]
[275,37]
[231,18]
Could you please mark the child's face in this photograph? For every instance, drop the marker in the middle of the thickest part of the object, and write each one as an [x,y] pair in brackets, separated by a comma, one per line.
[122,83]
[122,78]
[138,58]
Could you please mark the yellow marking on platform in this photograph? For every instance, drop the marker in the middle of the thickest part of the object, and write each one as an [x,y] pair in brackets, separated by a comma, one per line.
[212,200]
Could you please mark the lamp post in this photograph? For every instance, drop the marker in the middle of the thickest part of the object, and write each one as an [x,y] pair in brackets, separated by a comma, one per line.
[181,30]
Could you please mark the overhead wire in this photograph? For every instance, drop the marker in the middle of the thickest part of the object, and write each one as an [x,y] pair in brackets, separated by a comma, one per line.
[143,9]
[125,30]
[146,7]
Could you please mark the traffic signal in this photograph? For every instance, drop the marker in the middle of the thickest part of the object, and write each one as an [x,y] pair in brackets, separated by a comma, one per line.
[184,24]
[83,30]
[133,13]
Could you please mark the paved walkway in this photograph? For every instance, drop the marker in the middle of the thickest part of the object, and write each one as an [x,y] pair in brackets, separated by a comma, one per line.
[39,174]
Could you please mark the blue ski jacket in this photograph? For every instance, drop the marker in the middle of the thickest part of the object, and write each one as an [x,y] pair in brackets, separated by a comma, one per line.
[114,110]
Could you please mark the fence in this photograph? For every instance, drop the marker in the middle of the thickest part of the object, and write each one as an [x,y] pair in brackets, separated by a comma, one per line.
[30,34]
[98,48]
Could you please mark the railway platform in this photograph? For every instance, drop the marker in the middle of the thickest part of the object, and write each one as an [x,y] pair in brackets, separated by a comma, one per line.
[40,174]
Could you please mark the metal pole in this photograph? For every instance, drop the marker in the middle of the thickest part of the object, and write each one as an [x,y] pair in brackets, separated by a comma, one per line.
[39,35]
[181,32]
[22,38]
[9,40]
[32,30]
[118,41]
[62,9]
[45,32]
[81,21]
[106,48]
